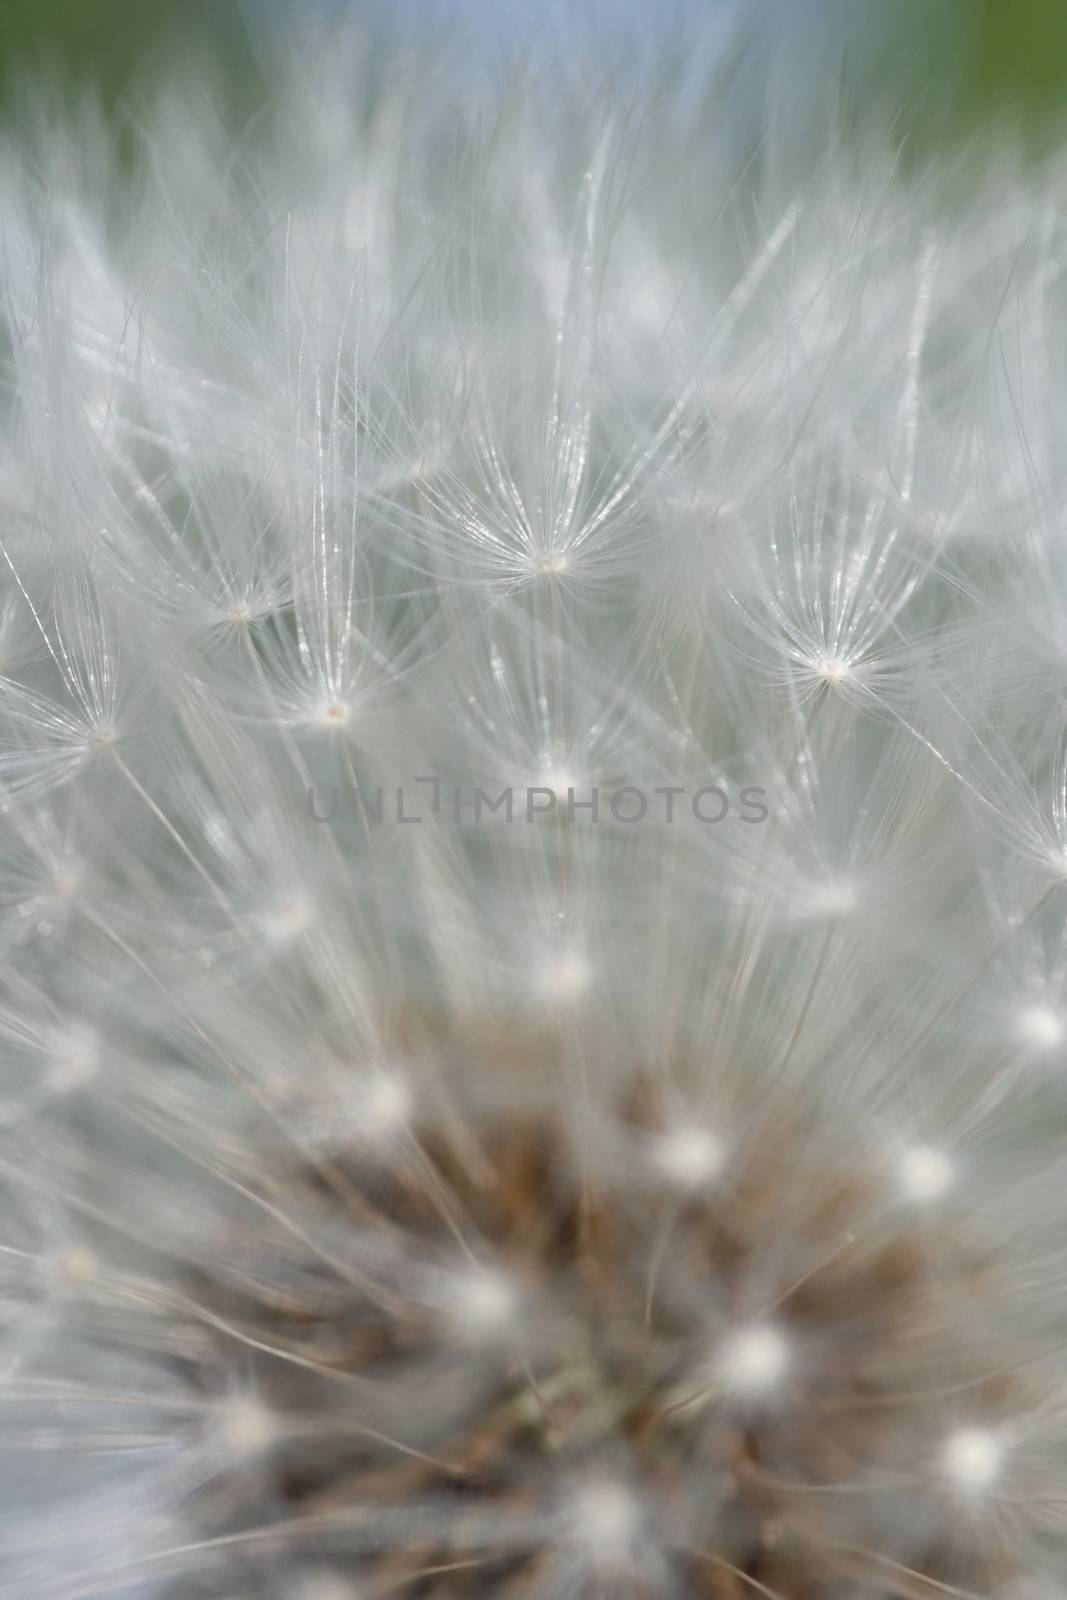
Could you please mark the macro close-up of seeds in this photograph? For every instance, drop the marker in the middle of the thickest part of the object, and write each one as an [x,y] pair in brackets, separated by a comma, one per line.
[533,820]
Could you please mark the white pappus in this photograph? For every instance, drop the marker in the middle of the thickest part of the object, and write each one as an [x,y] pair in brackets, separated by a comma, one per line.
[533,822]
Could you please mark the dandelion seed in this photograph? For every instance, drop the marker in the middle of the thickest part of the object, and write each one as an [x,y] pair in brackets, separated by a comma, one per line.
[66,882]
[75,1059]
[77,1268]
[1040,1029]
[484,1305]
[334,714]
[386,1104]
[605,1520]
[245,1427]
[526,1202]
[291,919]
[832,669]
[560,783]
[567,977]
[972,1460]
[834,899]
[688,1158]
[325,1586]
[924,1174]
[754,1362]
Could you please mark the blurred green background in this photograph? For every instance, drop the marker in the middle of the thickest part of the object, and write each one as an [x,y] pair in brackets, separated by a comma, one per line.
[1019,56]
[952,66]
[110,41]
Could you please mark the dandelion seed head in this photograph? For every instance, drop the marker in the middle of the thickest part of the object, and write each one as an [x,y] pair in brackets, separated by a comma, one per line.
[490,1204]
[561,1364]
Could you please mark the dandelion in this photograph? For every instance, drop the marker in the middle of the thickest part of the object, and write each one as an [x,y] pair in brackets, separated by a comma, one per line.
[420,1173]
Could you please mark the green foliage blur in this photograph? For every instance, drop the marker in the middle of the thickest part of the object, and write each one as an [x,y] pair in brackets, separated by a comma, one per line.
[1018,59]
[954,66]
[106,44]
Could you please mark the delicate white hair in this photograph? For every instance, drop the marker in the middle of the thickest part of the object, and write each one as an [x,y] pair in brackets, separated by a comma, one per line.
[529,597]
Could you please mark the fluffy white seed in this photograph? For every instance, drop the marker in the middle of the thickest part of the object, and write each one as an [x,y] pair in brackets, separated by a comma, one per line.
[754,1361]
[972,1459]
[687,1158]
[604,1519]
[924,1173]
[1040,1028]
